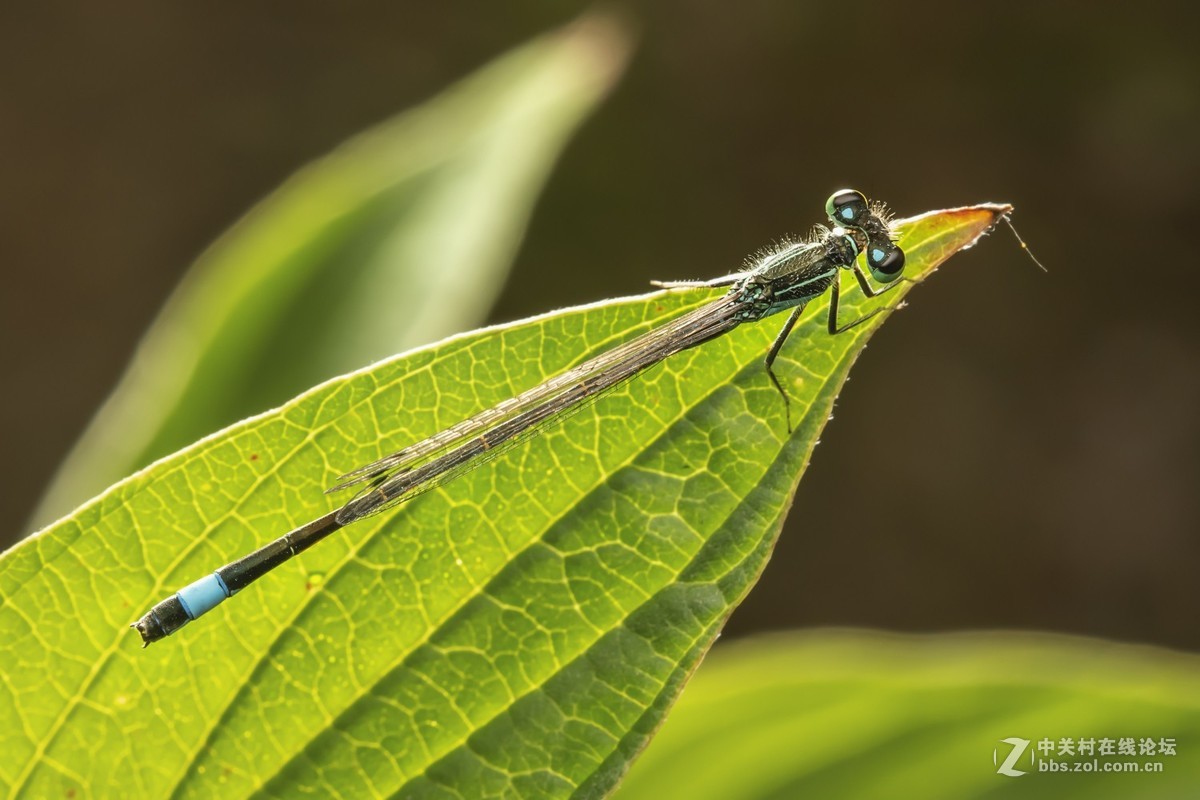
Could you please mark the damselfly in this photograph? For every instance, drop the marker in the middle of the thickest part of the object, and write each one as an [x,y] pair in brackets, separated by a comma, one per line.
[787,278]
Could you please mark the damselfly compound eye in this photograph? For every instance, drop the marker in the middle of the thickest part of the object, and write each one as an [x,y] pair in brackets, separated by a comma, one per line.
[847,207]
[886,261]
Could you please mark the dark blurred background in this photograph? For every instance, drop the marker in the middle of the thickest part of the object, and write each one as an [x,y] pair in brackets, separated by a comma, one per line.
[1015,450]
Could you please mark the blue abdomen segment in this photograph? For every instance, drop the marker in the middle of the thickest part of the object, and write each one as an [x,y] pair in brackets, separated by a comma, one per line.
[182,607]
[203,596]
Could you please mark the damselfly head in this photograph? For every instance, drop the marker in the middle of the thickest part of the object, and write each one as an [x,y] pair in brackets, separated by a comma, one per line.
[871,227]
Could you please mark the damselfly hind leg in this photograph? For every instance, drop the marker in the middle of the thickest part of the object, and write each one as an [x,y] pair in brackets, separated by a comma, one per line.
[776,346]
[834,327]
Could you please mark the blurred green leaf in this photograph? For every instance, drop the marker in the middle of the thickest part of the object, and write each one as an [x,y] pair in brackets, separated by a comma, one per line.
[861,714]
[401,236]
[521,630]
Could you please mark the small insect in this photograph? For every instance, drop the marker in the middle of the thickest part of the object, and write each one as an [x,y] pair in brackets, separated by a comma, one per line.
[786,279]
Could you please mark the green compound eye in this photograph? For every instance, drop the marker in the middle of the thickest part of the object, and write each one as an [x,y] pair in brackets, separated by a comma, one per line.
[847,208]
[885,260]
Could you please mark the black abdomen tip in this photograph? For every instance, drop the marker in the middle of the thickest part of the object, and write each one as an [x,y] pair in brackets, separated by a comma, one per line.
[162,620]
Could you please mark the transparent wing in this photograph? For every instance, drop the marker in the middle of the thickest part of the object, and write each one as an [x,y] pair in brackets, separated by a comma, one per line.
[462,447]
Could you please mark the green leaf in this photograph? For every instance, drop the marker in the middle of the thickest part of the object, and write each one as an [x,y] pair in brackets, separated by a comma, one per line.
[860,714]
[335,269]
[521,630]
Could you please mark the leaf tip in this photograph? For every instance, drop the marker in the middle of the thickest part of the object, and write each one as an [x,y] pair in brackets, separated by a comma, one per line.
[603,39]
